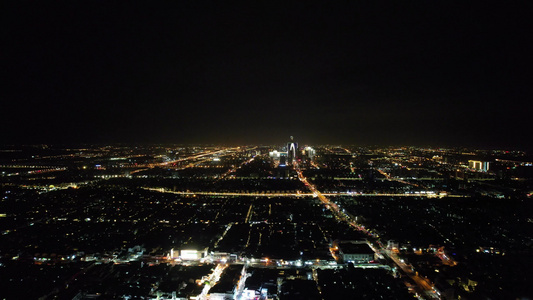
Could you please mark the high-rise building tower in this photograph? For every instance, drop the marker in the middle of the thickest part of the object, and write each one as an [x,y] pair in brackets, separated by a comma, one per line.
[309,153]
[292,151]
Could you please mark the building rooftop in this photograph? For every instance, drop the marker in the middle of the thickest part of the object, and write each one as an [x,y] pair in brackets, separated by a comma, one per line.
[355,248]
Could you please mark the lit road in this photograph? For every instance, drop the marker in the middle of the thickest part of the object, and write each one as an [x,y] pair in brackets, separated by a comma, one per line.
[322,196]
[314,165]
[232,170]
[424,284]
[195,156]
[167,163]
[396,179]
[407,270]
[213,279]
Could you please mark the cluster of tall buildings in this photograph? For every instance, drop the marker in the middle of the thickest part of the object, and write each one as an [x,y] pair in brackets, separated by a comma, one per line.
[291,153]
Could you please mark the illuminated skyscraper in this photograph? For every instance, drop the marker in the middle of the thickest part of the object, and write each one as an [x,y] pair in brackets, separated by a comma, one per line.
[309,152]
[292,151]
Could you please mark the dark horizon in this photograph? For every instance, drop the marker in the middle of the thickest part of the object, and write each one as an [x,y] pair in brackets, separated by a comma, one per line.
[417,74]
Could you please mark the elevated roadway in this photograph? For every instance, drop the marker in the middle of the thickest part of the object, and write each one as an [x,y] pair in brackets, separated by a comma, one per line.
[315,193]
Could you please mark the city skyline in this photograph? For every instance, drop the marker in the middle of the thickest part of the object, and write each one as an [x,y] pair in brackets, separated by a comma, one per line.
[256,222]
[286,150]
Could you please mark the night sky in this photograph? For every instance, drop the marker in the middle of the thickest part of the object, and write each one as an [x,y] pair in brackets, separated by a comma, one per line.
[437,73]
